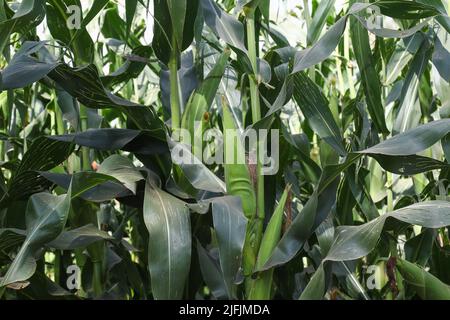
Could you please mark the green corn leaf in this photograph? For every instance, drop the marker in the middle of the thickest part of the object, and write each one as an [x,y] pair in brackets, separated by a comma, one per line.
[231,30]
[311,216]
[322,200]
[263,284]
[316,110]
[46,217]
[131,69]
[402,56]
[96,8]
[211,273]
[273,231]
[319,19]
[370,80]
[10,240]
[195,171]
[177,11]
[122,169]
[409,10]
[23,69]
[168,224]
[419,249]
[427,286]
[412,141]
[409,113]
[173,18]
[43,154]
[117,139]
[230,226]
[117,105]
[30,13]
[354,242]
[130,8]
[316,286]
[78,40]
[326,45]
[89,186]
[201,100]
[79,238]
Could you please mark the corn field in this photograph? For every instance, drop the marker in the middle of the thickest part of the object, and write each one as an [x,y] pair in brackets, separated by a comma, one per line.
[224,150]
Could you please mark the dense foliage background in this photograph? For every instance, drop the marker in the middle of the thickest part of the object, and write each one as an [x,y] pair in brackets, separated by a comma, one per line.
[93,94]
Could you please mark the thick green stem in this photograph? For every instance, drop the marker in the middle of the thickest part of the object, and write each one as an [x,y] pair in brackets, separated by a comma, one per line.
[85,163]
[253,55]
[97,278]
[97,281]
[175,101]
[255,228]
[262,287]
[255,102]
[86,166]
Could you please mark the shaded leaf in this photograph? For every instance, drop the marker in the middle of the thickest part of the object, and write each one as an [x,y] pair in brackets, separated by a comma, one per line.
[168,223]
[46,217]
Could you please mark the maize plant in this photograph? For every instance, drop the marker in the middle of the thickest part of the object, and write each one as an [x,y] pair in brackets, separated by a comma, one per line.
[222,150]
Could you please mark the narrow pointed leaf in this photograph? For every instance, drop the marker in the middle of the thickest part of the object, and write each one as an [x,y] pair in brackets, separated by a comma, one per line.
[316,109]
